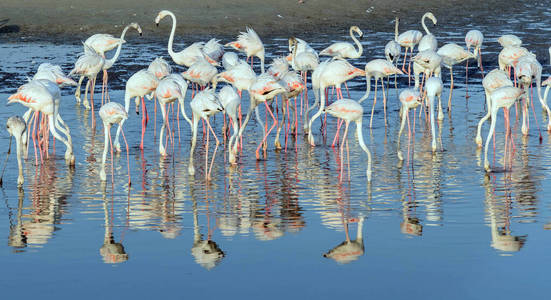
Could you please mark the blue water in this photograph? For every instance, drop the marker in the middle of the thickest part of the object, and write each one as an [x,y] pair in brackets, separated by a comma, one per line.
[436,227]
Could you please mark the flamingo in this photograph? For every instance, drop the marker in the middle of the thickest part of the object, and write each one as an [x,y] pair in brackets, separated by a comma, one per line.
[474,38]
[250,43]
[230,101]
[189,55]
[428,62]
[35,95]
[171,88]
[528,67]
[509,40]
[508,57]
[204,105]
[547,84]
[278,68]
[428,41]
[410,98]
[350,110]
[88,65]
[393,49]
[201,72]
[345,50]
[229,60]
[491,82]
[213,50]
[303,61]
[334,73]
[160,68]
[293,86]
[378,68]
[17,128]
[408,40]
[112,113]
[453,54]
[316,88]
[263,89]
[502,97]
[433,87]
[302,46]
[138,85]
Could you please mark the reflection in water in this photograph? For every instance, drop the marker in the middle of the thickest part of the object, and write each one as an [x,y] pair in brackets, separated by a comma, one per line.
[111,251]
[499,212]
[349,250]
[205,252]
[17,238]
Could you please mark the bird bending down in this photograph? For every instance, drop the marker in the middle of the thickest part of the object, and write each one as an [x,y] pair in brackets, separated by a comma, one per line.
[17,128]
[346,50]
[138,85]
[112,113]
[502,97]
[434,89]
[453,54]
[204,105]
[491,82]
[350,110]
[410,99]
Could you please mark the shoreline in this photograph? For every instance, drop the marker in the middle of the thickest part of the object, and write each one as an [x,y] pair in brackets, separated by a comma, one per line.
[73,21]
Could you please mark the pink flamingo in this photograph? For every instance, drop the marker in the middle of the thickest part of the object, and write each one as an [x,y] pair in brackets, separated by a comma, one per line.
[410,99]
[345,50]
[453,54]
[428,41]
[350,110]
[250,43]
[509,40]
[88,65]
[502,97]
[379,69]
[17,128]
[434,89]
[138,85]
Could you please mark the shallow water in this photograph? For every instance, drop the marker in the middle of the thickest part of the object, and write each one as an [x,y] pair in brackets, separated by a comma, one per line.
[435,227]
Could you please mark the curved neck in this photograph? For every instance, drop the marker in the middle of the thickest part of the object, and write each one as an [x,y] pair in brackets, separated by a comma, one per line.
[171,38]
[364,147]
[367,89]
[294,53]
[360,48]
[110,62]
[423,23]
[545,94]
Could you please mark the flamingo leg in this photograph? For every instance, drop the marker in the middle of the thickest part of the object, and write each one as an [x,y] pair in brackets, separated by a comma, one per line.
[268,132]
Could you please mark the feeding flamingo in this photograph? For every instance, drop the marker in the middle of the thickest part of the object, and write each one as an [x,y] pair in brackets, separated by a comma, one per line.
[410,99]
[112,113]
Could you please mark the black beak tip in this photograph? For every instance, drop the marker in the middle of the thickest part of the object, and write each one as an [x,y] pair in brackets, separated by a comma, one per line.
[157,24]
[141,34]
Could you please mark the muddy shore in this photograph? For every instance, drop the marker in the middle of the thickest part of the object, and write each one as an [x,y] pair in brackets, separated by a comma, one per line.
[71,21]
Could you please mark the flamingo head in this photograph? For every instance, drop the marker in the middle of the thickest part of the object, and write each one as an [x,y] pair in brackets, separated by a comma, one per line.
[357,30]
[137,27]
[16,126]
[431,17]
[161,15]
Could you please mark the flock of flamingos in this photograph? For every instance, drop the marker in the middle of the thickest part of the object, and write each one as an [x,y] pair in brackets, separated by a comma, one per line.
[41,94]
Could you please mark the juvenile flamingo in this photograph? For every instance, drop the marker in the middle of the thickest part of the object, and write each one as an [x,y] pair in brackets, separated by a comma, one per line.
[350,110]
[346,50]
[88,65]
[17,128]
[502,97]
[112,113]
[250,43]
[410,99]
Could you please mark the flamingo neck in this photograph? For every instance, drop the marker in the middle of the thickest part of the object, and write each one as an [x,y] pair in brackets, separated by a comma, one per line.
[367,89]
[360,48]
[396,29]
[171,38]
[110,62]
[364,147]
[423,23]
